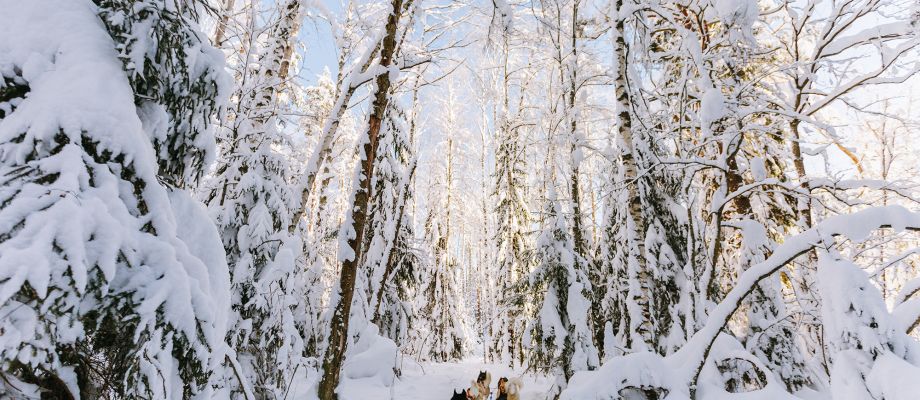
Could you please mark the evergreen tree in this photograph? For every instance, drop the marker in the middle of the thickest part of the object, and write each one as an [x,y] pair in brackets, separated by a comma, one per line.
[175,75]
[644,252]
[384,281]
[859,330]
[253,204]
[446,335]
[513,243]
[111,279]
[397,313]
[560,338]
[445,338]
[512,239]
[401,259]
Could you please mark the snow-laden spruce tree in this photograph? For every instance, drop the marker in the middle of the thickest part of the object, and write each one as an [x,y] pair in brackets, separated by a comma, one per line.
[394,301]
[174,73]
[443,336]
[569,37]
[512,238]
[511,52]
[513,243]
[388,276]
[251,199]
[444,326]
[559,338]
[648,291]
[111,284]
[397,311]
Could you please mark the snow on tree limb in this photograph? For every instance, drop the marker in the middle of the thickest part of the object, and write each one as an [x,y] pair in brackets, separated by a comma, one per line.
[856,227]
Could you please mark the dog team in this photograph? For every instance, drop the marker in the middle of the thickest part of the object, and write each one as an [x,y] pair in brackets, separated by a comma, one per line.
[508,389]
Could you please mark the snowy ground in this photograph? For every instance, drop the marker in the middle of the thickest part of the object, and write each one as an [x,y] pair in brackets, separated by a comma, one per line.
[425,381]
[431,381]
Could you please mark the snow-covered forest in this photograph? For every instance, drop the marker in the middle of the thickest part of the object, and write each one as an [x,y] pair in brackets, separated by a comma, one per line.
[378,199]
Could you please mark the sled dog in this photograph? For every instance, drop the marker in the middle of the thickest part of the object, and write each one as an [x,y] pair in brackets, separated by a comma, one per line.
[480,388]
[510,389]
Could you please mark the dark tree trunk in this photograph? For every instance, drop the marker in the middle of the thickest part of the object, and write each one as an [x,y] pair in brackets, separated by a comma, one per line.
[338,336]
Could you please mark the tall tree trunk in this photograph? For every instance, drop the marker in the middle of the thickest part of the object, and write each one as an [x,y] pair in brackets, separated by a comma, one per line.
[484,328]
[575,192]
[506,135]
[631,177]
[338,336]
[450,179]
[799,162]
[392,262]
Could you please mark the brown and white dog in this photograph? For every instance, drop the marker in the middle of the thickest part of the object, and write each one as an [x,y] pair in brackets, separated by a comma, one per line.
[510,389]
[480,389]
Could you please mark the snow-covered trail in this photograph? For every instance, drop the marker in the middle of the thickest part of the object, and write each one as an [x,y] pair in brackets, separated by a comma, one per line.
[436,381]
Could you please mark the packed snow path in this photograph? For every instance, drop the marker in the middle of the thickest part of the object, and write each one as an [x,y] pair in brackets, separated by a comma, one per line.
[436,381]
[430,381]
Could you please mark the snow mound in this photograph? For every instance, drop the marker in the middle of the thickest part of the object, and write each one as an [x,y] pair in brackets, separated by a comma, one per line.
[370,366]
[623,375]
[892,378]
[642,374]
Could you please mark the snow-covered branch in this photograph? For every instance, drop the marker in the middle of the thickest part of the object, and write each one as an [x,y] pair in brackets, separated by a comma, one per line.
[856,227]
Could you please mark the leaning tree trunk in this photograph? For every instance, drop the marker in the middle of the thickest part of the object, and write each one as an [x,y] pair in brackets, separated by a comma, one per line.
[322,155]
[338,336]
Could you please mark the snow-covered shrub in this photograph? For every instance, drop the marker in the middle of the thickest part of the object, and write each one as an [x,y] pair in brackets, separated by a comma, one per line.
[370,364]
[864,344]
[732,370]
[741,375]
[636,376]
